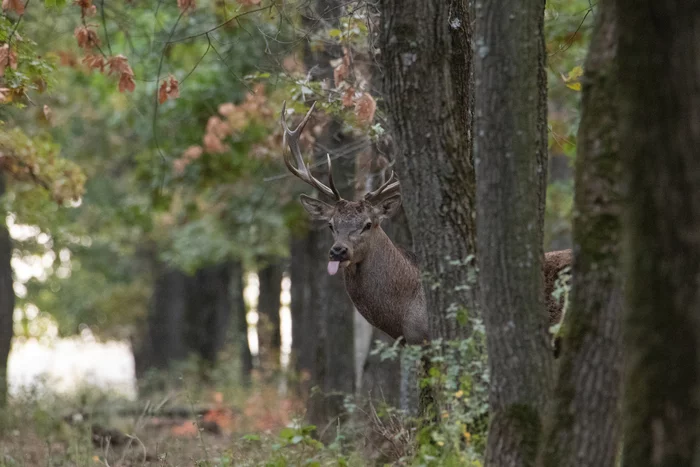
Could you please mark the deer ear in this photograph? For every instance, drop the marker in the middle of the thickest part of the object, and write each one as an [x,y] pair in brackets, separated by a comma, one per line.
[317,209]
[388,207]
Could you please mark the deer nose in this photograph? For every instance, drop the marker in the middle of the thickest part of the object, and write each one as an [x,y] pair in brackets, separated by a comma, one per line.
[339,253]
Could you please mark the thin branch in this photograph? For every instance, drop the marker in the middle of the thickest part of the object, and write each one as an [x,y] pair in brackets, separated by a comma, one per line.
[104,26]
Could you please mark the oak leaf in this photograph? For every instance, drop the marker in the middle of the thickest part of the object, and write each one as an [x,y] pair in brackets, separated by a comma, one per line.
[95,62]
[126,83]
[86,36]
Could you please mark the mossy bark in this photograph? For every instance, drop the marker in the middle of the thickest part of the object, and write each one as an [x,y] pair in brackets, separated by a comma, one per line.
[583,429]
[426,55]
[511,172]
[659,96]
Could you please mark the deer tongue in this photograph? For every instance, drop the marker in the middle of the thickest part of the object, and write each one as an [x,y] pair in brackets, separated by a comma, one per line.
[333,267]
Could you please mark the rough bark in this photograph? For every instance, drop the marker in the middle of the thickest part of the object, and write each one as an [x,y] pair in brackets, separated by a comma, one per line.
[659,96]
[240,316]
[270,279]
[511,166]
[428,80]
[584,428]
[7,299]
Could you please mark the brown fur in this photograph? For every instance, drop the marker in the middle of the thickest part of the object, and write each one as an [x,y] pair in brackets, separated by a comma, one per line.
[382,281]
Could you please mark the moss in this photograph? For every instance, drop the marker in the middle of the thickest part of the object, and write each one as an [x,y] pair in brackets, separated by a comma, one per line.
[527,424]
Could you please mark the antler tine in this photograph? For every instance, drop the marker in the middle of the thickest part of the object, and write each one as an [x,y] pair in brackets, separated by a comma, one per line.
[387,189]
[301,170]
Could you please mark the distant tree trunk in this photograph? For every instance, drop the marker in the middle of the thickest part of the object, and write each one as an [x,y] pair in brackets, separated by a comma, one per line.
[428,85]
[270,280]
[511,164]
[240,316]
[659,95]
[167,318]
[7,299]
[583,429]
[299,296]
[334,362]
[209,311]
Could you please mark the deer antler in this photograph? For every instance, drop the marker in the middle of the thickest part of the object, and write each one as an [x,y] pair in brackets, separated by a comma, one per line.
[302,171]
[388,188]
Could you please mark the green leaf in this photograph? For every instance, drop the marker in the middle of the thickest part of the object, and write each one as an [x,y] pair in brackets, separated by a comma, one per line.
[287,433]
[297,439]
[334,33]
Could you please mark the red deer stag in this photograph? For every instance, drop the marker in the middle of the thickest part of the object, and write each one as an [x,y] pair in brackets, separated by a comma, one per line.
[382,282]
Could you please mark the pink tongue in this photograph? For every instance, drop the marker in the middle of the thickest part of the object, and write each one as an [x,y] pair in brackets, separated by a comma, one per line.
[333,267]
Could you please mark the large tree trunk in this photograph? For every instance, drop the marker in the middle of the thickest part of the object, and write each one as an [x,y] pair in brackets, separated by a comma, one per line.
[270,280]
[428,84]
[240,316]
[511,166]
[7,299]
[659,96]
[583,428]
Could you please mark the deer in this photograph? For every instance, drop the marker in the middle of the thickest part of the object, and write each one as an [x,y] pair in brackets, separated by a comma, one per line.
[382,280]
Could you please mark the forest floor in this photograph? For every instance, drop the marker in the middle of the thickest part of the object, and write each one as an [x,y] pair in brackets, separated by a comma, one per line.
[258,425]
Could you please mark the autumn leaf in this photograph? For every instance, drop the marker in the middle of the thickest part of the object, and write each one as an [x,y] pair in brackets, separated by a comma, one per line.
[348,97]
[95,62]
[572,79]
[86,36]
[88,9]
[185,5]
[365,107]
[4,94]
[7,58]
[126,83]
[193,152]
[249,2]
[13,5]
[169,89]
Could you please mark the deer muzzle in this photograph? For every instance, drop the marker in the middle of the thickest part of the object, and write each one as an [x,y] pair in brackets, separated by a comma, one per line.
[339,254]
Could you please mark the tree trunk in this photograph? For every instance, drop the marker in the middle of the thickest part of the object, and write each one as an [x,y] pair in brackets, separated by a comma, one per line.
[240,316]
[299,297]
[427,59]
[511,164]
[209,312]
[583,428]
[659,96]
[270,279]
[167,318]
[7,299]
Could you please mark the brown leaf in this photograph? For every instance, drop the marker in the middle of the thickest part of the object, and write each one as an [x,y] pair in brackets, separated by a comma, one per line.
[365,107]
[249,2]
[185,5]
[119,64]
[340,73]
[126,82]
[193,152]
[169,89]
[86,36]
[348,97]
[13,5]
[95,62]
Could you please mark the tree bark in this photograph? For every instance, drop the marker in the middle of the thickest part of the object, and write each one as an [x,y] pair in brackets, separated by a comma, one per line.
[511,167]
[270,279]
[583,428]
[428,82]
[7,299]
[240,313]
[658,77]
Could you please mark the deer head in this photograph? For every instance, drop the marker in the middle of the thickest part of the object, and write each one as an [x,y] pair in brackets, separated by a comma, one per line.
[353,223]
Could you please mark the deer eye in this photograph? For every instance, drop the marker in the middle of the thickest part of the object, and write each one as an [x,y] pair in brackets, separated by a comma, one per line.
[367,226]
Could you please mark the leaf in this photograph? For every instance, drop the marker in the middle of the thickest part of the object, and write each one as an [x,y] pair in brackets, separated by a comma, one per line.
[185,5]
[334,32]
[287,433]
[365,107]
[571,79]
[251,437]
[169,89]
[297,439]
[13,5]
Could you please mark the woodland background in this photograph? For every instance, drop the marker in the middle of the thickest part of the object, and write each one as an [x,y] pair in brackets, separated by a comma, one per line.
[143,189]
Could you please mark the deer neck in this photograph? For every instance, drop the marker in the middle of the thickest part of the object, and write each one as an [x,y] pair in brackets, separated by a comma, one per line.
[383,285]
